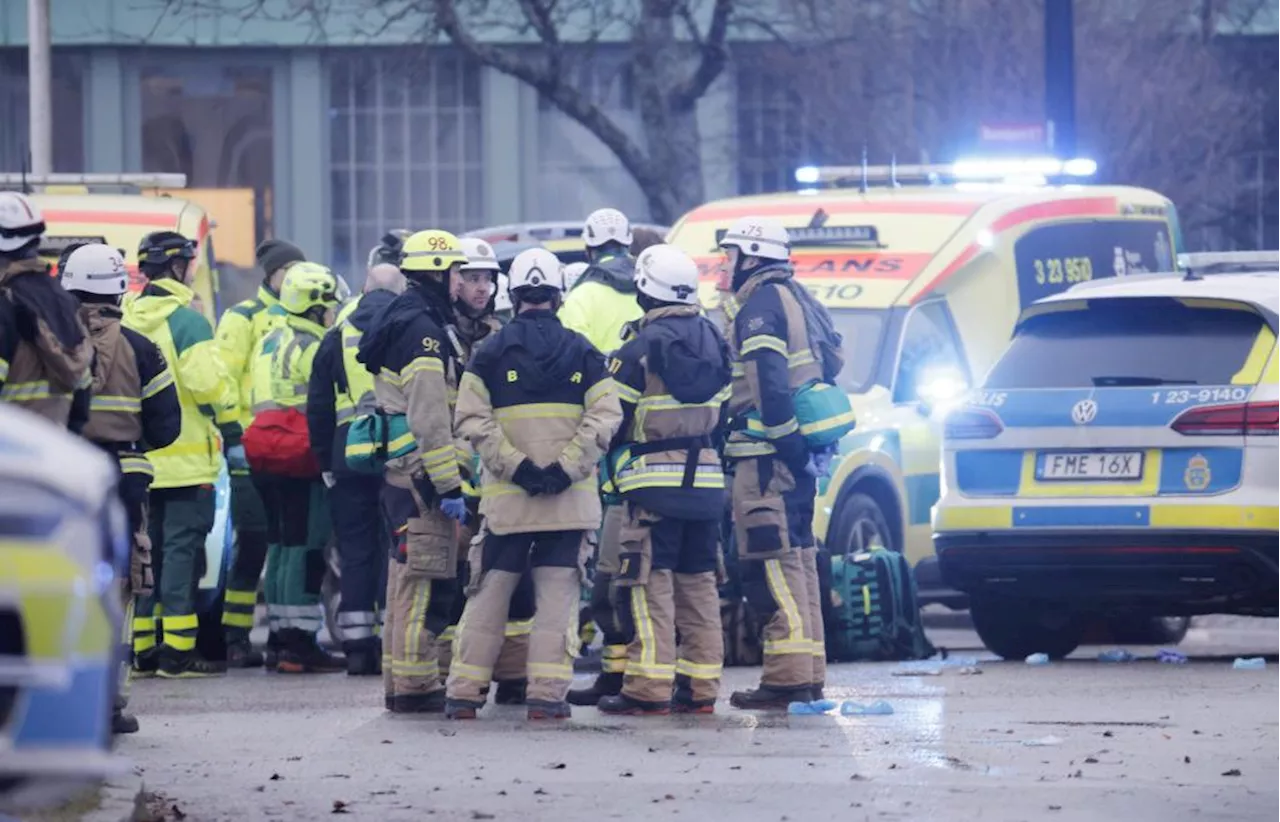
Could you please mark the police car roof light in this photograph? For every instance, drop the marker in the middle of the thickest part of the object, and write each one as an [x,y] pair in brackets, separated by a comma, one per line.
[1198,264]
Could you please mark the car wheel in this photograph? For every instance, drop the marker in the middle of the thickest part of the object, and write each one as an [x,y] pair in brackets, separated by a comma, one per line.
[860,526]
[1149,630]
[330,593]
[1015,630]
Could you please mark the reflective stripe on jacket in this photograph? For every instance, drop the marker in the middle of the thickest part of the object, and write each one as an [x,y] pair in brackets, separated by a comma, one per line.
[240,330]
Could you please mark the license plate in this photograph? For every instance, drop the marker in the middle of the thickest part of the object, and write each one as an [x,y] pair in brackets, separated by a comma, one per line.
[1090,465]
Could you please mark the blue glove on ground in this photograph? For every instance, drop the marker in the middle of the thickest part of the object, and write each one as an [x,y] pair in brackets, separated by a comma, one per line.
[455,508]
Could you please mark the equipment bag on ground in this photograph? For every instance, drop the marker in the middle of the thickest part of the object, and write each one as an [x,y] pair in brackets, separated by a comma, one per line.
[873,613]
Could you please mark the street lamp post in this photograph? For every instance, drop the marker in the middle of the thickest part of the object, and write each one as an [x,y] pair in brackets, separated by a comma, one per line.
[1060,76]
[40,86]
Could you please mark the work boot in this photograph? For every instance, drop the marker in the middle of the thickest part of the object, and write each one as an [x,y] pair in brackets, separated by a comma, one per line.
[765,698]
[240,654]
[364,661]
[123,723]
[187,665]
[546,709]
[146,664]
[432,703]
[305,656]
[623,705]
[605,685]
[682,701]
[388,700]
[461,708]
[817,694]
[511,692]
[271,658]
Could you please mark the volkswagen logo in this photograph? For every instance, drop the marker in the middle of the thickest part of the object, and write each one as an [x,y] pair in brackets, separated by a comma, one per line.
[1083,412]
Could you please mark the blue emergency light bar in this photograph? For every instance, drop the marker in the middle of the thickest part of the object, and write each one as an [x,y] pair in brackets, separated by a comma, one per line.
[989,169]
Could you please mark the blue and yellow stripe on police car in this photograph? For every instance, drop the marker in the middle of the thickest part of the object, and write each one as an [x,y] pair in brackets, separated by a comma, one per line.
[1172,516]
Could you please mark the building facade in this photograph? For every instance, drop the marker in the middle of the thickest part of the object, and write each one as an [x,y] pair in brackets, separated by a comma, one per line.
[342,134]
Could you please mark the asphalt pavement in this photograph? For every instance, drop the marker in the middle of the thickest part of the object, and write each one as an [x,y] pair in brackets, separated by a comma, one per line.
[1075,740]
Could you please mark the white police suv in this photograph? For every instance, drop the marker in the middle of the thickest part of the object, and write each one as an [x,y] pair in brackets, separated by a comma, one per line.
[1120,459]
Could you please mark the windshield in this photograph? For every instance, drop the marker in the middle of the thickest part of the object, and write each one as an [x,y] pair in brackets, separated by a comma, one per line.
[862,332]
[1129,342]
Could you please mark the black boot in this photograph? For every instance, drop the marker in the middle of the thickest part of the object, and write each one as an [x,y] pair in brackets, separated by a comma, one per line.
[511,692]
[146,664]
[302,654]
[123,723]
[363,658]
[543,709]
[240,654]
[461,708]
[605,685]
[766,698]
[682,701]
[623,705]
[187,665]
[817,694]
[272,655]
[432,703]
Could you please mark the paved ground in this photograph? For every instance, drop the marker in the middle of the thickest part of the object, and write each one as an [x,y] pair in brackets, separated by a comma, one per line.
[1136,741]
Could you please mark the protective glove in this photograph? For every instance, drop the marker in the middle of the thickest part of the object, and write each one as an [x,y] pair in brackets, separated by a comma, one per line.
[236,460]
[822,462]
[329,479]
[811,467]
[794,451]
[554,479]
[453,506]
[529,477]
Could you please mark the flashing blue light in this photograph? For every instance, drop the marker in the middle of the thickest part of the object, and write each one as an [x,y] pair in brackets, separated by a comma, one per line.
[807,175]
[1080,167]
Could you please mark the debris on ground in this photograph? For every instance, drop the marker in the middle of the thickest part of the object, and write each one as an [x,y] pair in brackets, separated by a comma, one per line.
[1116,655]
[339,807]
[555,766]
[1038,659]
[1232,772]
[1255,663]
[806,709]
[1043,742]
[877,708]
[1168,656]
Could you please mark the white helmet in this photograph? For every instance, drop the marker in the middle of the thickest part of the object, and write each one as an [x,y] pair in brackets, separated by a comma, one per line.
[572,272]
[480,255]
[21,223]
[667,274]
[606,225]
[535,267]
[95,269]
[501,297]
[761,237]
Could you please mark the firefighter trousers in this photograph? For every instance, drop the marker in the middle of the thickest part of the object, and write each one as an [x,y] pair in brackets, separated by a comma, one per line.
[355,508]
[815,627]
[773,528]
[299,524]
[667,584]
[178,522]
[514,656]
[555,558]
[249,517]
[615,634]
[418,607]
[135,482]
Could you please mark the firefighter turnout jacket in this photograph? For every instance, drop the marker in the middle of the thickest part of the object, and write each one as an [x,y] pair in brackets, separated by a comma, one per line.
[673,381]
[209,397]
[537,390]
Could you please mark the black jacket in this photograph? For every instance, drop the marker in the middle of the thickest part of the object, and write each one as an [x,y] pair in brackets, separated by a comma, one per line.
[162,411]
[328,377]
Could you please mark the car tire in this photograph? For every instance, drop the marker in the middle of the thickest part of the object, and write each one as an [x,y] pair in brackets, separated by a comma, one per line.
[859,524]
[1130,630]
[331,593]
[1015,630]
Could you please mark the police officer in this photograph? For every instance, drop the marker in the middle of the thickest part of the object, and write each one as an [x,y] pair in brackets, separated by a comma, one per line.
[182,495]
[285,472]
[774,473]
[338,386]
[134,409]
[673,380]
[538,405]
[240,330]
[603,299]
[474,307]
[416,368]
[45,352]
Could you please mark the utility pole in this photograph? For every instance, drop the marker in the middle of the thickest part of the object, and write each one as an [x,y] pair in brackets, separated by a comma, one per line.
[40,86]
[1060,76]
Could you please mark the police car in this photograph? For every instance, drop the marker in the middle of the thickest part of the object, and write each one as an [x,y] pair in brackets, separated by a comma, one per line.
[1119,459]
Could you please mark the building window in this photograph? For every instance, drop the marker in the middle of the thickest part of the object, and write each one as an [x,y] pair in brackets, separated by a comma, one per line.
[772,132]
[68,111]
[404,148]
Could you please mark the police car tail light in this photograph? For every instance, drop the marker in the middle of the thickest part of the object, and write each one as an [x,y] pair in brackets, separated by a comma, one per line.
[1239,419]
[972,424]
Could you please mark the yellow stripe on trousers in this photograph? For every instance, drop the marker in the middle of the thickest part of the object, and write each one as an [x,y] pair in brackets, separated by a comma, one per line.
[648,666]
[796,641]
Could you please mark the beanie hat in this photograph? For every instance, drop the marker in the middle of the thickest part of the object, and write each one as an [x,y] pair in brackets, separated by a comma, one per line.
[274,255]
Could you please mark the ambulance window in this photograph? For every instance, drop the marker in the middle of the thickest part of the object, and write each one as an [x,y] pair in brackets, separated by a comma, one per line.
[929,352]
[1148,341]
[1052,258]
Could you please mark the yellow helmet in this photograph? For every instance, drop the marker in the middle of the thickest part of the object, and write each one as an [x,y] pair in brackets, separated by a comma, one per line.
[431,250]
[306,286]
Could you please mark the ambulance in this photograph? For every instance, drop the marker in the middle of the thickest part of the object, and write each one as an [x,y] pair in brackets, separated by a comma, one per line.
[925,270]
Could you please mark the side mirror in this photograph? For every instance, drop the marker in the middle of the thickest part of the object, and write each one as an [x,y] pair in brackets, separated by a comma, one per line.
[940,388]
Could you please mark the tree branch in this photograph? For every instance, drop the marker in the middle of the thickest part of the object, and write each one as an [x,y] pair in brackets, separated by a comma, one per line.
[713,59]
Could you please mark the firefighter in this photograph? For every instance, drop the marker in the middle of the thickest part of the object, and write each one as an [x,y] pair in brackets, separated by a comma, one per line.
[774,473]
[538,405]
[416,368]
[45,352]
[338,386]
[134,409]
[285,471]
[182,493]
[673,381]
[240,330]
[474,305]
[603,299]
